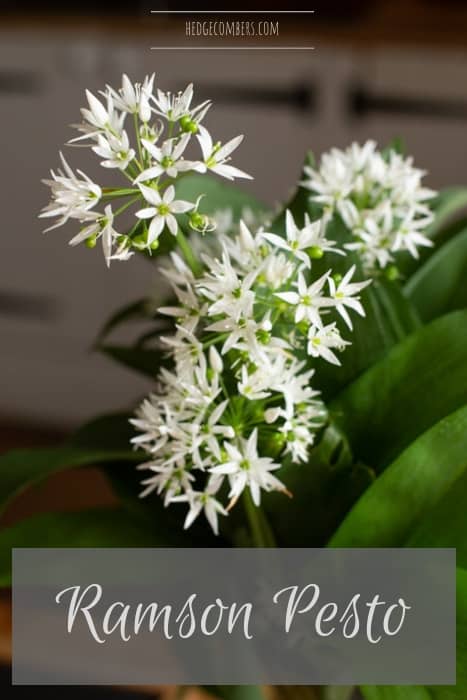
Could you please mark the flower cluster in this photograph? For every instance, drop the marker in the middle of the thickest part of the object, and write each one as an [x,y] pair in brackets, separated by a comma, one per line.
[238,401]
[379,197]
[163,125]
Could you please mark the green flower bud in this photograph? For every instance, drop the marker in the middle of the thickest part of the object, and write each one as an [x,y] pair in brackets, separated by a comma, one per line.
[139,241]
[392,273]
[263,336]
[337,277]
[91,241]
[315,252]
[188,125]
[276,444]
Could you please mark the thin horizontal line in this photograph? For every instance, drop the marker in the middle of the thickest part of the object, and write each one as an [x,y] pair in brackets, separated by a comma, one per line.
[232,12]
[232,48]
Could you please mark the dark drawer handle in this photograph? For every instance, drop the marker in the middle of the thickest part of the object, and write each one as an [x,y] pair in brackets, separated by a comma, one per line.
[15,82]
[301,97]
[28,306]
[362,103]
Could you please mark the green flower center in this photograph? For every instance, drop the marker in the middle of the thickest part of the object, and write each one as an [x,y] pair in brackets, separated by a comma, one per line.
[167,161]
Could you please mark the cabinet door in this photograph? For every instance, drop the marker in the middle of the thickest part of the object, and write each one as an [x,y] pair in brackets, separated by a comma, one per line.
[52,298]
[419,96]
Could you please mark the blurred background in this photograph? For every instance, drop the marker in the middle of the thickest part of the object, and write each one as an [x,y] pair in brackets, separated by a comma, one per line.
[379,69]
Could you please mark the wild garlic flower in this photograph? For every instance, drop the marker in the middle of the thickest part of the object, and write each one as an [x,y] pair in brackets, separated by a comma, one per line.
[379,197]
[238,401]
[144,135]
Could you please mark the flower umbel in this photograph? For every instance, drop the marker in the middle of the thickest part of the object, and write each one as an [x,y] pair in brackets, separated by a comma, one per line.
[149,154]
[238,401]
[379,197]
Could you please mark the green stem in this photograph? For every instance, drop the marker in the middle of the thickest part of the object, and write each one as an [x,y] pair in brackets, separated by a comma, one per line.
[127,204]
[184,246]
[120,193]
[260,531]
[138,141]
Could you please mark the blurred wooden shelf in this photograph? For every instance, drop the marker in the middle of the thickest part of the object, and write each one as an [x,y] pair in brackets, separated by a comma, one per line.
[416,22]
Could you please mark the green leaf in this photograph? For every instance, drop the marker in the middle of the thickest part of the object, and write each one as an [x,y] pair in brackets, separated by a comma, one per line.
[394,505]
[22,468]
[112,431]
[459,691]
[390,692]
[299,204]
[420,381]
[440,285]
[389,318]
[115,430]
[322,490]
[136,311]
[396,145]
[445,525]
[146,361]
[235,692]
[106,527]
[449,202]
[454,692]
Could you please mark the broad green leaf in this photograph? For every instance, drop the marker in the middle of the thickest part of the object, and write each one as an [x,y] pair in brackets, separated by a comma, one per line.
[420,381]
[143,360]
[445,525]
[401,692]
[299,204]
[322,491]
[440,285]
[106,527]
[449,202]
[22,468]
[125,480]
[106,432]
[389,318]
[459,691]
[338,692]
[455,692]
[390,509]
[218,195]
[236,692]
[397,145]
[136,311]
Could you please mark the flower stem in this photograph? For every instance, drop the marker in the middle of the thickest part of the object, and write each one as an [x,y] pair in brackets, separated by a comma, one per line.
[127,204]
[120,193]
[138,141]
[261,532]
[184,246]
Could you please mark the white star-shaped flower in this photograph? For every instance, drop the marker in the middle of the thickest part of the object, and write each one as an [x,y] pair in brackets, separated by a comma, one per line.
[206,501]
[102,227]
[302,242]
[216,156]
[344,294]
[245,468]
[162,211]
[307,299]
[168,158]
[322,341]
